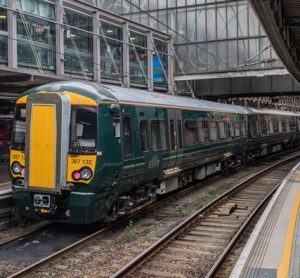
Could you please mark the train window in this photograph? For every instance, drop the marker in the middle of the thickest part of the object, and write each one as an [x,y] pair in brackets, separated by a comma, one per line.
[298,120]
[279,126]
[19,127]
[230,130]
[275,124]
[243,128]
[190,131]
[172,135]
[254,127]
[213,131]
[283,123]
[83,131]
[143,136]
[222,130]
[203,131]
[127,136]
[271,127]
[158,134]
[237,129]
[264,123]
[116,125]
[288,125]
[293,124]
[179,134]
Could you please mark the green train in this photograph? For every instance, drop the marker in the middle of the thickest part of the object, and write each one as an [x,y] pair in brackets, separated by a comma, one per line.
[83,152]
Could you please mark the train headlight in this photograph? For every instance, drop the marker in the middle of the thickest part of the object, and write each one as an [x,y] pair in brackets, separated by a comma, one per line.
[86,173]
[16,168]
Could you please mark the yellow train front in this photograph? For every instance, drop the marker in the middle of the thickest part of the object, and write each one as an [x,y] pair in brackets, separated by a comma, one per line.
[53,154]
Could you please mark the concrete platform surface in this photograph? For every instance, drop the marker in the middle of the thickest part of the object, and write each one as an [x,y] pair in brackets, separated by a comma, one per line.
[273,249]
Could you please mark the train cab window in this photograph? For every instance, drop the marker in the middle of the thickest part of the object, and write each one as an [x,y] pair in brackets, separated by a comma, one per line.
[243,128]
[179,134]
[203,131]
[230,130]
[172,135]
[143,136]
[83,131]
[127,136]
[19,127]
[213,131]
[158,132]
[237,129]
[222,130]
[190,131]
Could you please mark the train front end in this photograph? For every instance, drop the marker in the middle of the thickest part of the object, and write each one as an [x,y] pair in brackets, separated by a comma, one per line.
[53,157]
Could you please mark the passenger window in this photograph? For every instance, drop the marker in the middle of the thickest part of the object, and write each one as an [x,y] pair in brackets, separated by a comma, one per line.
[172,135]
[237,130]
[279,126]
[179,135]
[255,128]
[190,132]
[222,130]
[203,131]
[213,131]
[143,136]
[158,135]
[293,124]
[230,130]
[264,124]
[271,127]
[283,123]
[275,124]
[288,125]
[298,119]
[243,128]
[127,136]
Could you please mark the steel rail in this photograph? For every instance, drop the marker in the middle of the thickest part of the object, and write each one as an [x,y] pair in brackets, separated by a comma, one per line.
[124,220]
[150,251]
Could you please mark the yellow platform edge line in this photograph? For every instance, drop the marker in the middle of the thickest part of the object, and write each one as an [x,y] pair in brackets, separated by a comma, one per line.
[4,183]
[284,266]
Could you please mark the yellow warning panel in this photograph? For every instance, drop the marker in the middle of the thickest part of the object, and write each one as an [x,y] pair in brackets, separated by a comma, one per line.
[42,147]
[296,176]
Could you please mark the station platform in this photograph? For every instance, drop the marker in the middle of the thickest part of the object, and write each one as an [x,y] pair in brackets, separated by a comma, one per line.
[5,184]
[273,249]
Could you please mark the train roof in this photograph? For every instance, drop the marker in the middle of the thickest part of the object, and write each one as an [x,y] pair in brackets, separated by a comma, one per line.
[272,112]
[140,96]
[113,93]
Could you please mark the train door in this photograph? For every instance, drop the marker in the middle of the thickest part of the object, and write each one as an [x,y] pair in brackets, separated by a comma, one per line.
[175,136]
[128,137]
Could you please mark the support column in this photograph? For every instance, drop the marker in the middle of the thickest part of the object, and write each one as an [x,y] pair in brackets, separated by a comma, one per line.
[96,47]
[126,76]
[59,31]
[12,35]
[170,66]
[150,60]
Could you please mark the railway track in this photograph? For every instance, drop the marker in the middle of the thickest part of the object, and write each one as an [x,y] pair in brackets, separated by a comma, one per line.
[85,240]
[6,207]
[198,246]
